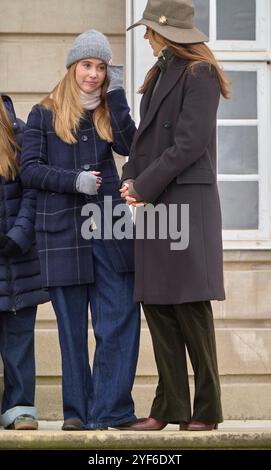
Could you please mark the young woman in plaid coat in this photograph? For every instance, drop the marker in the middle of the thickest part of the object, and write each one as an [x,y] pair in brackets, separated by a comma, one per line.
[67,156]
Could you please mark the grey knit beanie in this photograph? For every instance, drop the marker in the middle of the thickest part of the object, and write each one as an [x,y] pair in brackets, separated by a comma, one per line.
[89,44]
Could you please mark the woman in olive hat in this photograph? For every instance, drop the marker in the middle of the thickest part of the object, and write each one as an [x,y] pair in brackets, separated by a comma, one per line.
[173,162]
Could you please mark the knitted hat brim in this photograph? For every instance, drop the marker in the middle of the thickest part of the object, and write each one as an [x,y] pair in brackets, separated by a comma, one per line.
[173,33]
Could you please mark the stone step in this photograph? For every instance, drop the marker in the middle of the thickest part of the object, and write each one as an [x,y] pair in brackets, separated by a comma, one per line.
[230,435]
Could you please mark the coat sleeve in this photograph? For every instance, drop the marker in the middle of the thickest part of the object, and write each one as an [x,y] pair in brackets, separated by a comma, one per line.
[128,170]
[193,132]
[35,171]
[123,126]
[23,231]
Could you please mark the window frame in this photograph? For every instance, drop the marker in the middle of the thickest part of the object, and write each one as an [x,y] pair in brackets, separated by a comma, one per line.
[259,44]
[263,144]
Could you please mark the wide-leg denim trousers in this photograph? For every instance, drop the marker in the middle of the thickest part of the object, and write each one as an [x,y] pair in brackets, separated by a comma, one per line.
[102,397]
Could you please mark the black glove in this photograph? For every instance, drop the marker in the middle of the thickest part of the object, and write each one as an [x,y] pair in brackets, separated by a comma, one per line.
[3,240]
[9,247]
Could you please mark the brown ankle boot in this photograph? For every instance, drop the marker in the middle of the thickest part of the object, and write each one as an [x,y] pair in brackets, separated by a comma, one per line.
[148,424]
[199,426]
[183,425]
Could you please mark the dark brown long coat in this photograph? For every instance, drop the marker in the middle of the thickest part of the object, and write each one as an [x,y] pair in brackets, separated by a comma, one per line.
[173,161]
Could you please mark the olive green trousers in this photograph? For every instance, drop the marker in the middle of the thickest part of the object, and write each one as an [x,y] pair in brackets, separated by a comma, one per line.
[175,328]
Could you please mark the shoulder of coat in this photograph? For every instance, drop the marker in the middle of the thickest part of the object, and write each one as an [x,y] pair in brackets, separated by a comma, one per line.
[21,124]
[42,112]
[202,70]
[178,62]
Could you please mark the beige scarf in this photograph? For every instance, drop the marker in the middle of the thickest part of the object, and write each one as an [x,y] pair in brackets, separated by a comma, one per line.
[92,100]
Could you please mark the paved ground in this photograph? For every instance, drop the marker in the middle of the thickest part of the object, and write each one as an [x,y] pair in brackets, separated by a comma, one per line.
[230,435]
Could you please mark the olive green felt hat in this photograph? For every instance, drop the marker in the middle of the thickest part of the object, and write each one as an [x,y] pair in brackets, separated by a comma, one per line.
[172,19]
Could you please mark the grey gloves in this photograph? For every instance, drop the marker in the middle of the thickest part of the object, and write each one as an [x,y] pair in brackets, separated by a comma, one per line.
[115,76]
[86,183]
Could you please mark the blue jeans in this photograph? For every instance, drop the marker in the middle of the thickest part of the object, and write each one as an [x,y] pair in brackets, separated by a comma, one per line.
[17,351]
[101,398]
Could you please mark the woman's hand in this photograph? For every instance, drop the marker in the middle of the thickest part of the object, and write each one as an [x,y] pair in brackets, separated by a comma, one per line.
[131,201]
[115,75]
[98,180]
[88,182]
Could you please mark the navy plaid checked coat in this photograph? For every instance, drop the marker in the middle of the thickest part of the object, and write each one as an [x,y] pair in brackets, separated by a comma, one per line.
[20,280]
[52,166]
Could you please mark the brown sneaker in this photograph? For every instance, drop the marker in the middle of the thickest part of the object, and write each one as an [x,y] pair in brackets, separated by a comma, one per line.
[24,423]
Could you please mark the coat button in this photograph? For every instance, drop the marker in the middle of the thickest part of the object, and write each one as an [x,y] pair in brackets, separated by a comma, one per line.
[167,124]
[86,166]
[84,138]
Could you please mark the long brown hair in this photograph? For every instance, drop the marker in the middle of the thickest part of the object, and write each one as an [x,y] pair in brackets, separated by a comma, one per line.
[194,54]
[64,101]
[8,146]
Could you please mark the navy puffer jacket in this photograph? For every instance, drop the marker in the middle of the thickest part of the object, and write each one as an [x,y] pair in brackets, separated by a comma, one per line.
[20,281]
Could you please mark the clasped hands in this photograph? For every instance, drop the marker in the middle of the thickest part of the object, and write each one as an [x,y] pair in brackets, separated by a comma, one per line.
[90,182]
[130,200]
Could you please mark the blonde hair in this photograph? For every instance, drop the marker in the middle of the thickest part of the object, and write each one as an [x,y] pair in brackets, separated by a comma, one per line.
[65,104]
[8,146]
[194,54]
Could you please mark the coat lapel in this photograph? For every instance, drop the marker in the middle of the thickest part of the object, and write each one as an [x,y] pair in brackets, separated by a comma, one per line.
[148,109]
[145,102]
